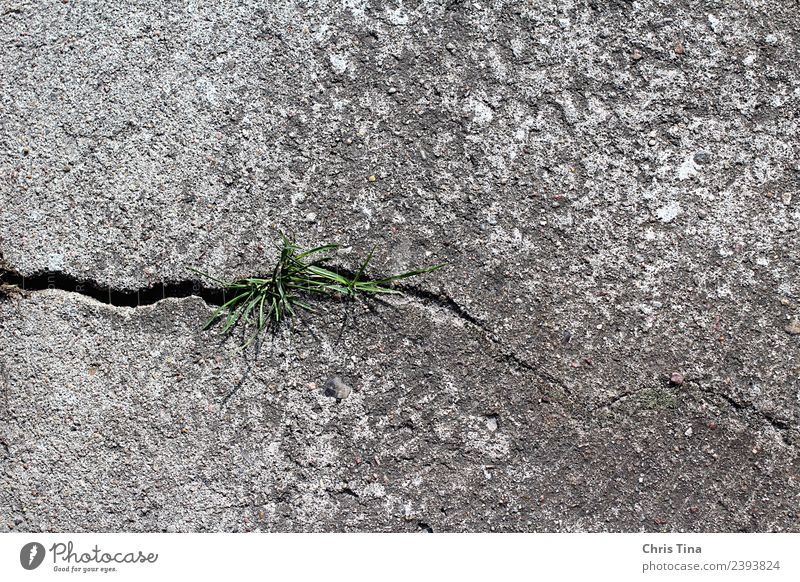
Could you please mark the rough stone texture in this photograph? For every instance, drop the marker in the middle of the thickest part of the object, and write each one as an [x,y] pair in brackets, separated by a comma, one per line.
[131,419]
[614,185]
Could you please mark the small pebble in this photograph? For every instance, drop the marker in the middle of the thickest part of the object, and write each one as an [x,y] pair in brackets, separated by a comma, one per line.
[688,432]
[679,50]
[636,55]
[335,388]
[702,157]
[793,327]
[676,378]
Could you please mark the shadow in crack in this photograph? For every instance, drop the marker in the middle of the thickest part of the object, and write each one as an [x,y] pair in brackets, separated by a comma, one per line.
[109,295]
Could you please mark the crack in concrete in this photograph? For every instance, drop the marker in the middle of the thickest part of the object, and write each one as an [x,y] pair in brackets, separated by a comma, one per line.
[12,283]
[4,383]
[445,301]
[618,398]
[783,427]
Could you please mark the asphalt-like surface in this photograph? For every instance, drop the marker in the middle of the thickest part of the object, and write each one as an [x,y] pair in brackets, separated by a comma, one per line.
[613,345]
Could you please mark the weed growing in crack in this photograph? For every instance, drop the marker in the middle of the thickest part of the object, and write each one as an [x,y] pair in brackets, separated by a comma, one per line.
[296,277]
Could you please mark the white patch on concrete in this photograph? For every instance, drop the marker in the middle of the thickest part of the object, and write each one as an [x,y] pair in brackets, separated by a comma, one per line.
[373,490]
[207,89]
[778,100]
[522,132]
[598,110]
[398,17]
[669,211]
[55,262]
[568,107]
[688,169]
[481,113]
[497,64]
[339,63]
[357,8]
[715,24]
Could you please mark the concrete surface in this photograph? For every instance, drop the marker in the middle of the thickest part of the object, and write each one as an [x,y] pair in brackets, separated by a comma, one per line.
[615,187]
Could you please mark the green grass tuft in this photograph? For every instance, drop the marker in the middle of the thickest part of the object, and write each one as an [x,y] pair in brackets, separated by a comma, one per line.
[297,276]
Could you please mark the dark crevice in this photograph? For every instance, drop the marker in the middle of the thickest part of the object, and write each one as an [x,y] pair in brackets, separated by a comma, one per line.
[504,356]
[12,283]
[445,301]
[4,383]
[614,400]
[783,427]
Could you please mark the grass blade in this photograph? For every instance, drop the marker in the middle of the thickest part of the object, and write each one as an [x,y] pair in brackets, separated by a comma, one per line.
[351,285]
[327,274]
[275,299]
[207,276]
[319,249]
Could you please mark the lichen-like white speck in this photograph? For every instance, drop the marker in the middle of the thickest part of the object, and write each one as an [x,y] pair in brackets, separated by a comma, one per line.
[688,169]
[55,262]
[481,113]
[339,63]
[669,211]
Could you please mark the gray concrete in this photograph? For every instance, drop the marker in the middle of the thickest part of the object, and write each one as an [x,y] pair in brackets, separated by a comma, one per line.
[615,188]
